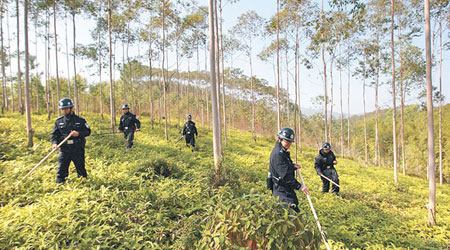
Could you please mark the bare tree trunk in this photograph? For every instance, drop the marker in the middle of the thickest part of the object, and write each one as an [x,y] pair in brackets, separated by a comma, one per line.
[441,179]
[77,104]
[150,84]
[278,66]
[342,110]
[3,61]
[215,110]
[296,87]
[297,82]
[47,63]
[100,65]
[287,88]
[394,107]
[58,89]
[325,101]
[377,80]
[27,79]
[402,104]
[217,50]
[252,93]
[111,85]
[348,106]
[223,79]
[69,87]
[19,74]
[331,100]
[10,64]
[178,85]
[162,68]
[431,161]
[365,122]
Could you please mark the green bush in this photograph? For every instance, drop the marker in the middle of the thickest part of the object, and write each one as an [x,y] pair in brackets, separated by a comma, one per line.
[257,222]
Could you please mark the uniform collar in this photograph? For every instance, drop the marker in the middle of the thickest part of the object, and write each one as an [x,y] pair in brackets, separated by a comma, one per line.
[282,149]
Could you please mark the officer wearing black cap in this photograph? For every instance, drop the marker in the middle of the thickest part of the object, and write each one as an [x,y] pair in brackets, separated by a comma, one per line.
[281,179]
[129,124]
[324,165]
[189,130]
[72,149]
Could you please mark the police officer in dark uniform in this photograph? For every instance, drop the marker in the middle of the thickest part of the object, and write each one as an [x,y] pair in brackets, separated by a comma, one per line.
[324,165]
[129,124]
[72,149]
[189,130]
[281,179]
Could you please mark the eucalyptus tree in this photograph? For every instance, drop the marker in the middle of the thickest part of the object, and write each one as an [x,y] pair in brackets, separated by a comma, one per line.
[431,206]
[27,77]
[215,110]
[394,106]
[58,88]
[248,28]
[74,6]
[19,73]
[3,60]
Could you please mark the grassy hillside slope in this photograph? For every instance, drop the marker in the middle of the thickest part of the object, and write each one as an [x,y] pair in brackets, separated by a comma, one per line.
[161,195]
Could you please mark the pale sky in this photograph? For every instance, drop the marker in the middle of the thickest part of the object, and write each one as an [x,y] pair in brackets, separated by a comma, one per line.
[310,80]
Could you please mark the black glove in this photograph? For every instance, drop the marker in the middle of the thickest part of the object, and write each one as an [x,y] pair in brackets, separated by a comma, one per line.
[298,186]
[319,173]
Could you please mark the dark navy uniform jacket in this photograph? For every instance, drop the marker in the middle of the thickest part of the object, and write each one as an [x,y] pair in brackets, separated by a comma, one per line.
[189,129]
[129,122]
[282,169]
[324,161]
[62,128]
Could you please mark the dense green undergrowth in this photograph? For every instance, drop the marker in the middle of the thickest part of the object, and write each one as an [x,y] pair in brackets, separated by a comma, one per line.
[160,195]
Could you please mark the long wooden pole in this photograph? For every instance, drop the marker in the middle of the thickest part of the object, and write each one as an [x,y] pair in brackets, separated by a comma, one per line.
[314,212]
[328,179]
[45,158]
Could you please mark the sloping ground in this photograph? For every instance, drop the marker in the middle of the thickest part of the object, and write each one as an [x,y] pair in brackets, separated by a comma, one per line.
[161,195]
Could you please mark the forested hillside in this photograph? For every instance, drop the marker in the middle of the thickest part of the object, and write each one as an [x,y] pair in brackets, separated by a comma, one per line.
[160,195]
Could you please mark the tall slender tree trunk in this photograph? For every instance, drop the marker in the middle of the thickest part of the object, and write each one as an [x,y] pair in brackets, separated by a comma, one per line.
[297,133]
[100,65]
[58,88]
[19,74]
[162,68]
[10,64]
[288,108]
[377,80]
[77,104]
[111,85]
[223,78]
[431,161]
[394,107]
[3,61]
[325,91]
[402,104]
[341,106]
[217,57]
[330,134]
[69,87]
[150,84]
[348,107]
[441,179]
[178,85]
[215,110]
[278,66]
[47,64]
[365,122]
[252,93]
[27,78]
[297,82]
[130,71]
